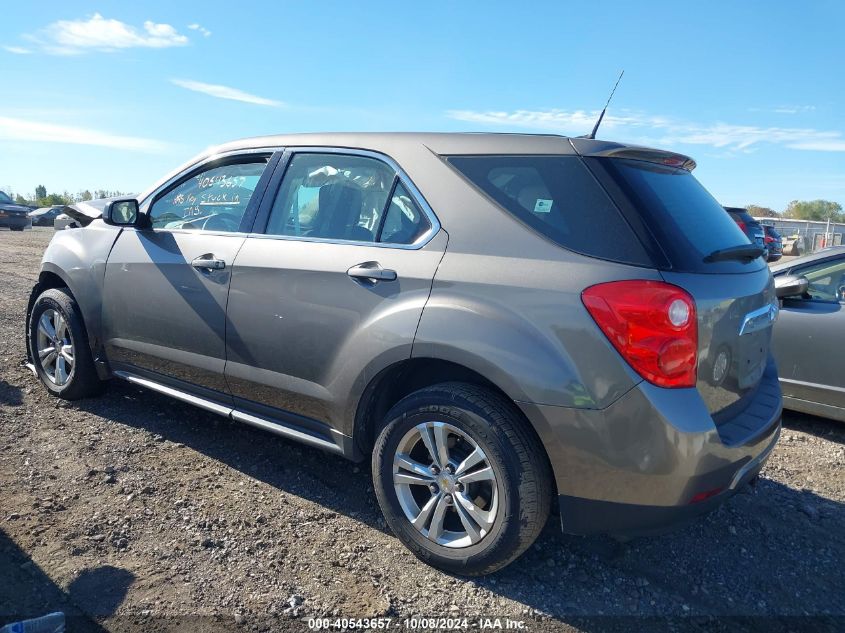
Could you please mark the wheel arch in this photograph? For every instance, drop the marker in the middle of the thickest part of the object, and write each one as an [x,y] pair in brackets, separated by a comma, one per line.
[400,379]
[51,277]
[47,279]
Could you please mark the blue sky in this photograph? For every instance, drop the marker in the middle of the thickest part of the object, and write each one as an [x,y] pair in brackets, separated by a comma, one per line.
[113,94]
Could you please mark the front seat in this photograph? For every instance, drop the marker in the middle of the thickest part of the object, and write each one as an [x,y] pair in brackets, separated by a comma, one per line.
[340,212]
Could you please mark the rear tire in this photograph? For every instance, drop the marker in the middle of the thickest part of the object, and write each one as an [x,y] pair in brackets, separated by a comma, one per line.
[16,228]
[494,511]
[58,346]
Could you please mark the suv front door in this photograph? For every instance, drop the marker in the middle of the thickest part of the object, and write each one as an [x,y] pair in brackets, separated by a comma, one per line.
[330,289]
[166,286]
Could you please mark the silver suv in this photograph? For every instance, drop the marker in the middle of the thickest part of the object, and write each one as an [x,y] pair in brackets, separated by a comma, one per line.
[493,320]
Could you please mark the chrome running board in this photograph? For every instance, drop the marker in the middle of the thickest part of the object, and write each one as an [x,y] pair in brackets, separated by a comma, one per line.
[234,414]
[285,431]
[208,405]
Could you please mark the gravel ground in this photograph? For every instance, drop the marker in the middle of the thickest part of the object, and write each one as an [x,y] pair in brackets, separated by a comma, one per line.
[130,508]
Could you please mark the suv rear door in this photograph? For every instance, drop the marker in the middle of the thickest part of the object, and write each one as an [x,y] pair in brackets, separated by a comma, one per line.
[329,288]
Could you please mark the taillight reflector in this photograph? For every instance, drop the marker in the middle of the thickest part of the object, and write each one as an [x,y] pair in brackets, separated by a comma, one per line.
[653,326]
[704,496]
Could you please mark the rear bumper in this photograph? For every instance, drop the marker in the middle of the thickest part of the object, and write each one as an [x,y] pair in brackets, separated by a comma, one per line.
[653,459]
[590,516]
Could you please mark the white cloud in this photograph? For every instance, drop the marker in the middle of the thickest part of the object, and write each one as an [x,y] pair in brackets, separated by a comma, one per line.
[224,92]
[200,28]
[72,37]
[16,129]
[794,109]
[17,50]
[633,125]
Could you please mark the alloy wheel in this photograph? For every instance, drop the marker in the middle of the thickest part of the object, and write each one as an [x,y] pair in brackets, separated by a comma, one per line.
[55,347]
[445,484]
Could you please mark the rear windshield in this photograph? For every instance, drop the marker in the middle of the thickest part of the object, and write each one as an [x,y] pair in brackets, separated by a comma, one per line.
[558,197]
[681,215]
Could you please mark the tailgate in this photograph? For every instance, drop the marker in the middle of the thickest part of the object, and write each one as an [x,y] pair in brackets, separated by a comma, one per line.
[735,318]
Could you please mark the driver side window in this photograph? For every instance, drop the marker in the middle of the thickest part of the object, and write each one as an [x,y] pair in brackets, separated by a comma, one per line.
[214,199]
[826,280]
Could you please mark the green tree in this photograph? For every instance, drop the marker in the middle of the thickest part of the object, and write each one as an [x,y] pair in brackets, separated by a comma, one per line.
[820,210]
[55,198]
[40,192]
[21,200]
[761,212]
[86,195]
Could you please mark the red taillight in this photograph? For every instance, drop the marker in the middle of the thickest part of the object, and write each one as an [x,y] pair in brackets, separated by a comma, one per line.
[769,239]
[652,324]
[741,225]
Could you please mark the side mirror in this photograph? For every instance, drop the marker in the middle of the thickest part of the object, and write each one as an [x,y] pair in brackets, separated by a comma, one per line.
[791,286]
[122,213]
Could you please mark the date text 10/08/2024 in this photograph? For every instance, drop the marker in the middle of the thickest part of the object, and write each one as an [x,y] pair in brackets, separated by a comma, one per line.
[416,623]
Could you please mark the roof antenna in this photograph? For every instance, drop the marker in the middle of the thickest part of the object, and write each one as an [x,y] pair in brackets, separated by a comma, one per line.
[592,134]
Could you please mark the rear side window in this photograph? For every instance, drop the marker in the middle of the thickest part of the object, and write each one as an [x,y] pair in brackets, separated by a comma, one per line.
[404,222]
[685,220]
[345,197]
[559,198]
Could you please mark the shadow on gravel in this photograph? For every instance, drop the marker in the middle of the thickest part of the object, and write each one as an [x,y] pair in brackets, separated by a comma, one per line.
[831,430]
[100,591]
[771,550]
[329,480]
[10,394]
[769,560]
[27,592]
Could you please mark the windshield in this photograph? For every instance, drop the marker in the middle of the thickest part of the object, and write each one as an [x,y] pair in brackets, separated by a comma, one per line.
[686,221]
[5,198]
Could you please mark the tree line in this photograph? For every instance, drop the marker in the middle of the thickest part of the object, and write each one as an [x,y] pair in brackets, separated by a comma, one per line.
[41,198]
[819,210]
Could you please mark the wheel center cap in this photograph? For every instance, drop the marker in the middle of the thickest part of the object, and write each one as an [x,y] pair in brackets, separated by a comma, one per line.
[447,483]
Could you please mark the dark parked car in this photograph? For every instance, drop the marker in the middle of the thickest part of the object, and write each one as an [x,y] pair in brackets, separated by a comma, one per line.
[808,337]
[490,319]
[46,216]
[13,215]
[751,227]
[773,242]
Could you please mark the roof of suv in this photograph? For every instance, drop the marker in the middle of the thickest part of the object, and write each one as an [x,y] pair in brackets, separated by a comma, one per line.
[455,143]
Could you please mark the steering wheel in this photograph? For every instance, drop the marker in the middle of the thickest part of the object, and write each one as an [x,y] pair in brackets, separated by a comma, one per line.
[222,222]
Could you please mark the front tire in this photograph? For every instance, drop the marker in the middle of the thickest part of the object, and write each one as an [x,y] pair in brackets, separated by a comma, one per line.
[58,346]
[462,480]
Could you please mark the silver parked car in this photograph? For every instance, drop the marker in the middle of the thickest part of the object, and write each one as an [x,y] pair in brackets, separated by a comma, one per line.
[46,216]
[808,337]
[491,319]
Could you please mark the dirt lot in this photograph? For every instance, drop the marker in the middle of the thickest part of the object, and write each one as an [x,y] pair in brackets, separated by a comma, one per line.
[129,508]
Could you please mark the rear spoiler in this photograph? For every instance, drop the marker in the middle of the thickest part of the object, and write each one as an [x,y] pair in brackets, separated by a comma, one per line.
[586,147]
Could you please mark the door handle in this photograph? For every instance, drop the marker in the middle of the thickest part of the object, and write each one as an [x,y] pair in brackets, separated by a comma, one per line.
[371,271]
[208,262]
